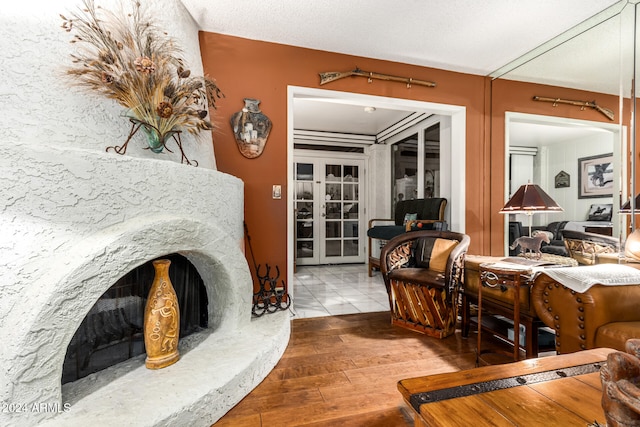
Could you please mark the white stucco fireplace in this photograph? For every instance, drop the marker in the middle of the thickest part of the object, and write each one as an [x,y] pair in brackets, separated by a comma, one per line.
[74,222]
[74,219]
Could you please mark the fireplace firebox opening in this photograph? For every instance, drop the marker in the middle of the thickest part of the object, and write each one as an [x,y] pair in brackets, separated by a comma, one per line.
[112,331]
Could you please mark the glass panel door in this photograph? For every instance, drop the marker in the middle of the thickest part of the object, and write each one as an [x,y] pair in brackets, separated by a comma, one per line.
[405,169]
[305,213]
[416,159]
[342,213]
[432,161]
[329,217]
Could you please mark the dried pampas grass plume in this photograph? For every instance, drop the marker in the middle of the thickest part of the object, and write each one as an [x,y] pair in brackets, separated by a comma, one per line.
[127,58]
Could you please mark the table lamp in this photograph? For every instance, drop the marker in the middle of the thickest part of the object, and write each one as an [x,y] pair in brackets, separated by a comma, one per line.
[530,199]
[632,244]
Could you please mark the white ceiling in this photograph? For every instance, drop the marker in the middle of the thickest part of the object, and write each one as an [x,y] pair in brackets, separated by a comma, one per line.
[330,115]
[469,36]
[530,134]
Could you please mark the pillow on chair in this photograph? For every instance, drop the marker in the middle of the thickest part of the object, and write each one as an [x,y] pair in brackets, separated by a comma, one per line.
[410,217]
[432,253]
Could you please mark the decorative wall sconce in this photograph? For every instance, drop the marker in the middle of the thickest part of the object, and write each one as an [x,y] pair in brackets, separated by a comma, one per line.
[251,129]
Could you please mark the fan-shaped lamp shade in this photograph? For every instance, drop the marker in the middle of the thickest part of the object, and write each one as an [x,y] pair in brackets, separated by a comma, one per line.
[529,199]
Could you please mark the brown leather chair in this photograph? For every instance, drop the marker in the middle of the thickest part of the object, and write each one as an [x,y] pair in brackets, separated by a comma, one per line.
[603,316]
[423,272]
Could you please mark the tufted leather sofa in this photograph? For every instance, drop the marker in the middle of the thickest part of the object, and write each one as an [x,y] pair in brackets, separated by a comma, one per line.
[603,316]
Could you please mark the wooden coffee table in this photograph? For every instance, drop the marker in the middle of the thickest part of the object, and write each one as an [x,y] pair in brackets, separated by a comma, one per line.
[562,390]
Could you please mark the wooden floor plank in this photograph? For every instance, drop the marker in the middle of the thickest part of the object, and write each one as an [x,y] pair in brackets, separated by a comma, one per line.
[353,407]
[312,369]
[343,371]
[240,421]
[394,417]
[255,405]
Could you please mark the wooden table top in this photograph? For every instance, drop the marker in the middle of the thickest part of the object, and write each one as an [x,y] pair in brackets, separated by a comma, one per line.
[548,391]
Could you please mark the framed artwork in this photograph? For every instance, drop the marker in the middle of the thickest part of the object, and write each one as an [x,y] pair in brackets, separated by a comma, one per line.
[595,176]
[563,180]
[600,212]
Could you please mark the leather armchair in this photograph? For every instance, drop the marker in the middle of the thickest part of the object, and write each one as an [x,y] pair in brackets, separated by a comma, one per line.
[603,316]
[423,273]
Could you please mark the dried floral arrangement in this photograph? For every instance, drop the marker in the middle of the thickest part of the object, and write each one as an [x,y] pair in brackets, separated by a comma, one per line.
[128,58]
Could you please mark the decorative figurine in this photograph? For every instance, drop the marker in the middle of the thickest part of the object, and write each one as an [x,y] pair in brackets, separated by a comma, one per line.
[620,378]
[531,245]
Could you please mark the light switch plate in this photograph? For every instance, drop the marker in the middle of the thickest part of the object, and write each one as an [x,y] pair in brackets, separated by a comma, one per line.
[277,191]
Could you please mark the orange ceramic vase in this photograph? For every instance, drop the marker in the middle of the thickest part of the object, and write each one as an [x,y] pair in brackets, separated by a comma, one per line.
[161,320]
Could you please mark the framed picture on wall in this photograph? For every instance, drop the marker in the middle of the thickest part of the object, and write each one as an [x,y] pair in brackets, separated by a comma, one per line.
[563,180]
[595,176]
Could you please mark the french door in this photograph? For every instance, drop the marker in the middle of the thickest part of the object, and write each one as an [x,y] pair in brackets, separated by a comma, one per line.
[329,212]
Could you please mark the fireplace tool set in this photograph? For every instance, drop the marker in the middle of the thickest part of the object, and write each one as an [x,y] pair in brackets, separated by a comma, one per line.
[271,297]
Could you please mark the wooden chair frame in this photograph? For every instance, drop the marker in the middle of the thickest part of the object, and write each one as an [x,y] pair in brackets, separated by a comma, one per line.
[421,299]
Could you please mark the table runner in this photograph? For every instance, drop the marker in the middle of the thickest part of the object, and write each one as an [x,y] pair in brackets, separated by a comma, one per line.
[580,279]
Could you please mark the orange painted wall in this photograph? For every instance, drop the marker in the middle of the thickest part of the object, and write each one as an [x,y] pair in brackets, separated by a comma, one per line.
[254,69]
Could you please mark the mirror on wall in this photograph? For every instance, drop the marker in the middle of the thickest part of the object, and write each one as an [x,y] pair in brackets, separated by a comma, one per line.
[574,161]
[563,146]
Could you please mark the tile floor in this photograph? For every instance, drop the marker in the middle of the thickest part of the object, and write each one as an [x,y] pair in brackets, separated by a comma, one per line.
[329,290]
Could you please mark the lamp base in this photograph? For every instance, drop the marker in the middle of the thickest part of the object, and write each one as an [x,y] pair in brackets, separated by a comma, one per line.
[632,245]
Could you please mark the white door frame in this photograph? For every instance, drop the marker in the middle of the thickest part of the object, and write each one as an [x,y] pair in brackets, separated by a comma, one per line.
[458,147]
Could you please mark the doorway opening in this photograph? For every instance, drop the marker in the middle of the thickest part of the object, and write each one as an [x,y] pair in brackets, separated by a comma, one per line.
[375,174]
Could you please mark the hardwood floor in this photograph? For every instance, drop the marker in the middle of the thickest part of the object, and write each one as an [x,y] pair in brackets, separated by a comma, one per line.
[343,371]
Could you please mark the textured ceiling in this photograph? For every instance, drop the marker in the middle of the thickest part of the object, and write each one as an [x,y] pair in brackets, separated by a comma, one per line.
[470,36]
